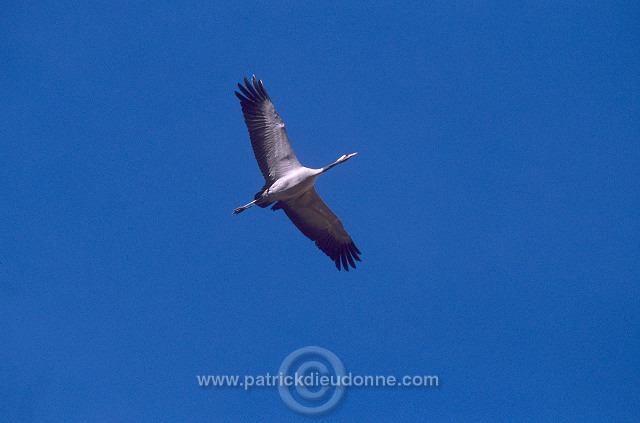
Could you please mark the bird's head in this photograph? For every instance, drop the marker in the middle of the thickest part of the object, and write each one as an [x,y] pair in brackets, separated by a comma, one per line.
[346,157]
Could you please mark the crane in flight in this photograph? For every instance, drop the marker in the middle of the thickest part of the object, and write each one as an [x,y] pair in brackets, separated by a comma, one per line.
[288,184]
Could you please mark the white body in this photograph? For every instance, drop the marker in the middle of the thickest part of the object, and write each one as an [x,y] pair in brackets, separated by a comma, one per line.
[292,184]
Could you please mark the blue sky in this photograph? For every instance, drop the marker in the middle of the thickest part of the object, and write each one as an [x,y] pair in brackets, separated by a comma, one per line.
[494,199]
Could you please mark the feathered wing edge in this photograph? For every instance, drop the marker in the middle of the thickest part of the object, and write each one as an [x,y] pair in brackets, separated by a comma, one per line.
[269,139]
[318,223]
[252,100]
[254,91]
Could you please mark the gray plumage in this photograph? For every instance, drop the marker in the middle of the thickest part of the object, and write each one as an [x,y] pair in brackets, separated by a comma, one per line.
[288,184]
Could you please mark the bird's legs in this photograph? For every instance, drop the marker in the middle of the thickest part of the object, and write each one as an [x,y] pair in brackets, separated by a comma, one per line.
[246,206]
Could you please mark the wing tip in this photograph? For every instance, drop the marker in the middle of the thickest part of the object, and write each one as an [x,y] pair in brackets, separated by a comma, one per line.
[252,91]
[346,257]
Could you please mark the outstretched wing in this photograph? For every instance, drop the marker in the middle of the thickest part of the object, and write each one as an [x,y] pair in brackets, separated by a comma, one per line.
[314,219]
[267,132]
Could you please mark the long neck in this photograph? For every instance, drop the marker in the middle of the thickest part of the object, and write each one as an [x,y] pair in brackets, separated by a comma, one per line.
[337,162]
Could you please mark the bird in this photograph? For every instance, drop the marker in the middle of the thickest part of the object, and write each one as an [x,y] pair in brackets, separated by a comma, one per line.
[289,186]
